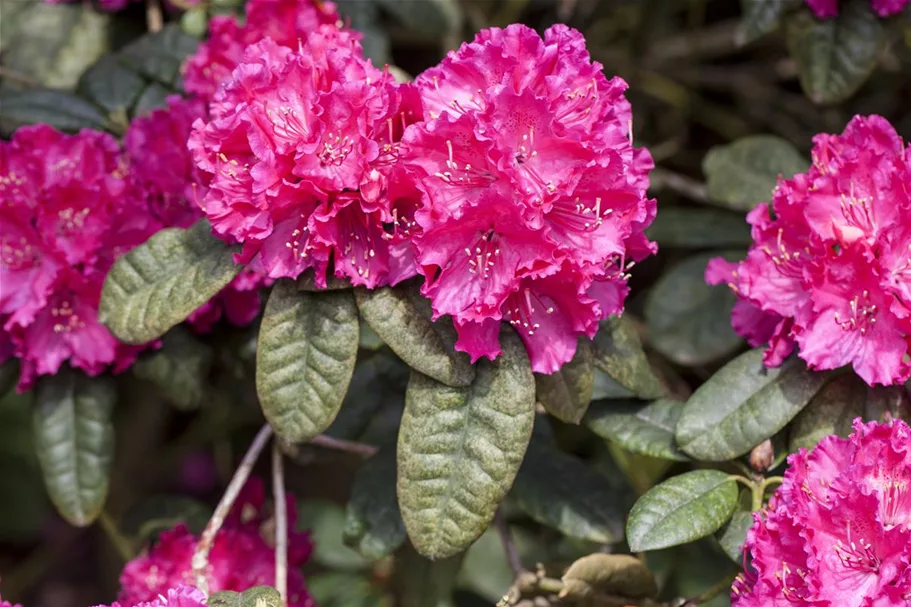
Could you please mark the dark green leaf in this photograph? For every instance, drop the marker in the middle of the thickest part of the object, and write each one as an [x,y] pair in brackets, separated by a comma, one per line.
[425,583]
[831,411]
[760,17]
[160,283]
[620,575]
[689,321]
[431,18]
[326,524]
[305,359]
[376,382]
[605,387]
[258,596]
[642,471]
[159,55]
[179,369]
[9,376]
[566,393]
[373,523]
[401,317]
[111,85]
[153,97]
[744,173]
[74,438]
[835,56]
[643,428]
[681,509]
[734,534]
[699,229]
[60,110]
[460,448]
[743,404]
[147,518]
[336,589]
[618,353]
[560,491]
[307,282]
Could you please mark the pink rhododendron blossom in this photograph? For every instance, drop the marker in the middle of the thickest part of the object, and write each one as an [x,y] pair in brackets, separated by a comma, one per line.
[533,198]
[8,604]
[301,150]
[241,557]
[837,532]
[830,268]
[162,173]
[284,21]
[178,596]
[825,9]
[66,211]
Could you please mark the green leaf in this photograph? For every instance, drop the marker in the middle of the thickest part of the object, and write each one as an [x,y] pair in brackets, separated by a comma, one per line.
[111,85]
[733,535]
[74,438]
[377,381]
[159,55]
[643,428]
[433,19]
[744,173]
[153,97]
[460,448]
[150,516]
[618,353]
[179,369]
[9,376]
[373,524]
[326,524]
[606,388]
[401,317]
[760,17]
[835,56]
[422,582]
[60,110]
[305,359]
[681,509]
[160,283]
[567,393]
[743,404]
[620,575]
[831,411]
[689,321]
[699,228]
[342,589]
[258,596]
[642,471]
[560,491]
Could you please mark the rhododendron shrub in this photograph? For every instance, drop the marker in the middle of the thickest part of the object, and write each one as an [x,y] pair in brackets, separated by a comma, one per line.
[829,8]
[301,151]
[830,267]
[533,200]
[837,532]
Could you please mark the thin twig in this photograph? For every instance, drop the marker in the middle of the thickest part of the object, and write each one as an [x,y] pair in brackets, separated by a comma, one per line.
[281,523]
[663,179]
[121,544]
[512,554]
[200,561]
[344,445]
[154,18]
[8,74]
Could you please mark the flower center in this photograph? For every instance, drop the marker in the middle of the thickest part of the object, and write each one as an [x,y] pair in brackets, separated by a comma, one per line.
[466,176]
[521,310]
[18,256]
[862,314]
[335,149]
[66,320]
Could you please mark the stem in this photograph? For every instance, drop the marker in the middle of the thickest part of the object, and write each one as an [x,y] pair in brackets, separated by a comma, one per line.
[344,445]
[680,184]
[200,561]
[281,523]
[154,18]
[512,554]
[121,544]
[8,74]
[743,481]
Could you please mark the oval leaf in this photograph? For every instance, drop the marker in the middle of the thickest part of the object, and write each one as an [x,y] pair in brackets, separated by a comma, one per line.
[744,173]
[179,368]
[460,448]
[560,491]
[618,353]
[646,429]
[689,321]
[733,535]
[74,438]
[160,283]
[567,393]
[835,56]
[111,85]
[401,317]
[620,575]
[373,524]
[760,17]
[681,509]
[831,411]
[305,359]
[60,110]
[699,229]
[159,55]
[743,404]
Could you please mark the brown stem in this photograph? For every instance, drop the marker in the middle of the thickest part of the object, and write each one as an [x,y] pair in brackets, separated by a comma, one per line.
[512,554]
[344,445]
[154,18]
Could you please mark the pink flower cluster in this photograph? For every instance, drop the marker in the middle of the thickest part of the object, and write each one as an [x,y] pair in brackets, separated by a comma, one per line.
[830,268]
[8,604]
[240,558]
[178,596]
[837,533]
[533,198]
[284,21]
[825,9]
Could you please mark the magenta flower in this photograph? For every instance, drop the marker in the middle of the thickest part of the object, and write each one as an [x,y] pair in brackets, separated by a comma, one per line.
[8,604]
[241,557]
[837,533]
[301,149]
[178,596]
[533,198]
[162,173]
[825,9]
[284,21]
[830,271]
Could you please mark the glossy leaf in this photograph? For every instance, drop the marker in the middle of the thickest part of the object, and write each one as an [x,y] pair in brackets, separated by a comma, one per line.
[643,428]
[761,17]
[743,404]
[620,575]
[699,228]
[179,368]
[835,56]
[373,524]
[159,55]
[401,317]
[689,321]
[153,97]
[618,353]
[567,393]
[831,411]
[459,449]
[733,535]
[58,109]
[111,85]
[74,438]
[160,283]
[742,174]
[681,509]
[305,359]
